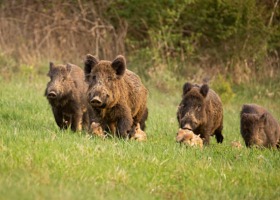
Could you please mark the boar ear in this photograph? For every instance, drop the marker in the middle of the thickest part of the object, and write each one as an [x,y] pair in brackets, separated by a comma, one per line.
[204,90]
[244,116]
[119,65]
[90,62]
[51,68]
[187,87]
[263,117]
[68,67]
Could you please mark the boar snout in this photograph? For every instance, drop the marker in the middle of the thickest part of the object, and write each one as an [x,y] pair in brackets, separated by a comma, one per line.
[52,95]
[189,123]
[187,127]
[96,101]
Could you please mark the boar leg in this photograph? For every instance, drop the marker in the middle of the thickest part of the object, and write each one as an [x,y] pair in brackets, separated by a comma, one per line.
[112,128]
[58,116]
[132,131]
[218,135]
[66,121]
[206,140]
[141,118]
[124,120]
[77,121]
[139,121]
[277,141]
[86,121]
[247,143]
[123,126]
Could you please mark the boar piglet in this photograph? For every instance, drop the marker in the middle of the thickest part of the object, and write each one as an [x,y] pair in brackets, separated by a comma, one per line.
[117,96]
[66,93]
[188,138]
[258,127]
[201,112]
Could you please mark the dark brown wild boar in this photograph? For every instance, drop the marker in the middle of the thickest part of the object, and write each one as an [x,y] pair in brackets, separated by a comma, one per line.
[66,93]
[201,111]
[258,127]
[117,95]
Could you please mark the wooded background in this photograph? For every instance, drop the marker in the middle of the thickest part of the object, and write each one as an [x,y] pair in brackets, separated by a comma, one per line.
[237,38]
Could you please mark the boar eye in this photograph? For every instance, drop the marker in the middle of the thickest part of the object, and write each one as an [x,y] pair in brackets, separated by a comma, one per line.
[94,77]
[110,78]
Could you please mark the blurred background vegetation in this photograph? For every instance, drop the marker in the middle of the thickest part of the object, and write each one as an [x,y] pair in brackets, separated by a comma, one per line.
[163,40]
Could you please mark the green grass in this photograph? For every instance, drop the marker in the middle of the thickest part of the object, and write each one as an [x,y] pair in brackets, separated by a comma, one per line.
[38,161]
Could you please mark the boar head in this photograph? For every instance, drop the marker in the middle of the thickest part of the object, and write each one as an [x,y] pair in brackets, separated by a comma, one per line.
[191,112]
[253,128]
[103,78]
[60,83]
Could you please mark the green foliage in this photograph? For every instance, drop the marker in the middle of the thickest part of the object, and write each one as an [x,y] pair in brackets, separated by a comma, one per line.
[274,39]
[143,16]
[226,34]
[223,88]
[209,33]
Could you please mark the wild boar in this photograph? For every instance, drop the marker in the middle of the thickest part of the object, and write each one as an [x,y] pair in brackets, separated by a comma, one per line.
[258,127]
[201,112]
[117,95]
[66,93]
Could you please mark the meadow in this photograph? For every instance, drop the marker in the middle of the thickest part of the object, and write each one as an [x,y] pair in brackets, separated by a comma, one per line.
[38,161]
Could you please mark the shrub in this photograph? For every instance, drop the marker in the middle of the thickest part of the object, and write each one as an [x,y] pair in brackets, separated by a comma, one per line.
[223,88]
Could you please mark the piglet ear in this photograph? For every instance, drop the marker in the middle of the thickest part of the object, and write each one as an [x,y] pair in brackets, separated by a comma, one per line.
[204,90]
[89,63]
[119,65]
[187,87]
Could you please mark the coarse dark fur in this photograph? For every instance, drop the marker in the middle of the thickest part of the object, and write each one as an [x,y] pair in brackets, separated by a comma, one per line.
[201,111]
[258,127]
[66,93]
[117,95]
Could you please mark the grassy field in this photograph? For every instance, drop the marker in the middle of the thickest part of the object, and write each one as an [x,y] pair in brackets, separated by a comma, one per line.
[38,161]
